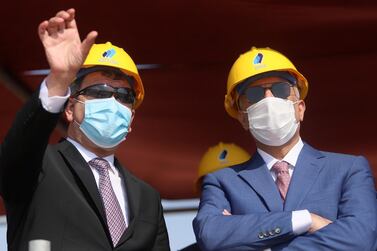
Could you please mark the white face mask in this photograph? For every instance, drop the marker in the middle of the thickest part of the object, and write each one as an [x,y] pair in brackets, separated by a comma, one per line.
[272,121]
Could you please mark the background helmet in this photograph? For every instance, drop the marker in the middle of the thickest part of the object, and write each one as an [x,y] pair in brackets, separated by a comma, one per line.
[220,156]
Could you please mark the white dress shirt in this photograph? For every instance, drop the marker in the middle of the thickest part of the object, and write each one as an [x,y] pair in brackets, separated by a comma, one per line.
[55,104]
[115,177]
[301,219]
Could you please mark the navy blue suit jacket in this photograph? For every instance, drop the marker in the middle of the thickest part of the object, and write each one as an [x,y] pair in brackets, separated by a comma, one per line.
[336,186]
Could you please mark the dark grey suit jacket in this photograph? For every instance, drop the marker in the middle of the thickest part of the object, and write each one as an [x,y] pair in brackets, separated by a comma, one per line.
[50,193]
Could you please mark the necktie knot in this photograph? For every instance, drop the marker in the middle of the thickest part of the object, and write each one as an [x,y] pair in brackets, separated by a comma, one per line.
[280,167]
[100,164]
[282,177]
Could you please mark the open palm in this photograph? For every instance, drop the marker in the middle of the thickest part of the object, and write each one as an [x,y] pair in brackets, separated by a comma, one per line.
[61,40]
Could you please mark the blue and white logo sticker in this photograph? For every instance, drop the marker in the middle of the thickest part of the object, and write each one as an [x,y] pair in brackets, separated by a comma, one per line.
[223,155]
[109,53]
[258,58]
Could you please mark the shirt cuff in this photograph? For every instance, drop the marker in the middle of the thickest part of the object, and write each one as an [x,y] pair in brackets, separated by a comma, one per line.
[301,221]
[52,104]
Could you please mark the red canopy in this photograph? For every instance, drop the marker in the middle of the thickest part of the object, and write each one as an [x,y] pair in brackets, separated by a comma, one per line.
[195,43]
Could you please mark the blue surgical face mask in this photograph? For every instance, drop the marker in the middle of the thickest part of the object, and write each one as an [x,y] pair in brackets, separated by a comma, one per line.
[106,121]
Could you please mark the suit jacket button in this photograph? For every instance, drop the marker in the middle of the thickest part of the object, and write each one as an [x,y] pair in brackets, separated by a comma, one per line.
[266,234]
[272,233]
[277,230]
[260,235]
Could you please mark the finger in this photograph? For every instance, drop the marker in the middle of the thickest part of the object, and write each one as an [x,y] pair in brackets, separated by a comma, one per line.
[61,26]
[68,17]
[226,212]
[88,42]
[71,12]
[42,32]
[54,24]
[52,30]
[63,14]
[70,21]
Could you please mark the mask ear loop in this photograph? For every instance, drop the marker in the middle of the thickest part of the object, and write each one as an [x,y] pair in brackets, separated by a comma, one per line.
[79,101]
[293,103]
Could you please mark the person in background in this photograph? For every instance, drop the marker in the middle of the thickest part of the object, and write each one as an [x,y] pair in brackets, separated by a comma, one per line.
[76,195]
[217,157]
[289,195]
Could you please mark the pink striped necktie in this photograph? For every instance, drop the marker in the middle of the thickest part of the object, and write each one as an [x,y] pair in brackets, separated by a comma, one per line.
[282,177]
[114,216]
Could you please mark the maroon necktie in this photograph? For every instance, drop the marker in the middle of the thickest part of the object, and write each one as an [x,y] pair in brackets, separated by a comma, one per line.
[114,216]
[282,177]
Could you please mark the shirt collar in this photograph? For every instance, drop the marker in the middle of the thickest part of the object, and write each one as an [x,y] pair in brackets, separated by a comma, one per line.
[291,157]
[88,155]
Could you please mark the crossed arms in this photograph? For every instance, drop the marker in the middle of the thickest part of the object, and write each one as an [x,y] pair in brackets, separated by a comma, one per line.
[354,227]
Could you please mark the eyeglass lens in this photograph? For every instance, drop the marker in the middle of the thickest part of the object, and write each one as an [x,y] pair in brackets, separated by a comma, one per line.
[122,94]
[257,93]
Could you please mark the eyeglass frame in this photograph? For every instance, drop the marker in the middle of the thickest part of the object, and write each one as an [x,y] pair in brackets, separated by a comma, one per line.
[242,92]
[114,92]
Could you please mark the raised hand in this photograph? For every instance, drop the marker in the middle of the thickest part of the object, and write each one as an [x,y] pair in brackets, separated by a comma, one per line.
[64,50]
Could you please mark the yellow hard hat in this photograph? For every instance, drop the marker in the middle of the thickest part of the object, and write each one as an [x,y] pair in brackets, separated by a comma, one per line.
[113,56]
[220,156]
[254,62]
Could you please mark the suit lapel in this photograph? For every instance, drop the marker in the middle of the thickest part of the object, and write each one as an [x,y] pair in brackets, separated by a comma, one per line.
[257,175]
[88,185]
[133,200]
[85,175]
[304,176]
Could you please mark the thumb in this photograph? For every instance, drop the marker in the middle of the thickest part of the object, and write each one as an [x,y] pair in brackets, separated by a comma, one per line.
[42,32]
[88,42]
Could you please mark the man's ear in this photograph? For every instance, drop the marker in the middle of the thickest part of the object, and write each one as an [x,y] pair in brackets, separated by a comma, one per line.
[242,118]
[301,107]
[68,111]
[132,119]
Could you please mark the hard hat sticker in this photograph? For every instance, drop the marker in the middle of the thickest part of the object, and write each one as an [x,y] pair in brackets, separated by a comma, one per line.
[109,53]
[258,58]
[223,155]
[107,57]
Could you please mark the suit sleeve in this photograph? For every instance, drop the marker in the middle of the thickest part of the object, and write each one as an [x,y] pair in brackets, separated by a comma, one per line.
[215,231]
[162,239]
[355,226]
[23,148]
